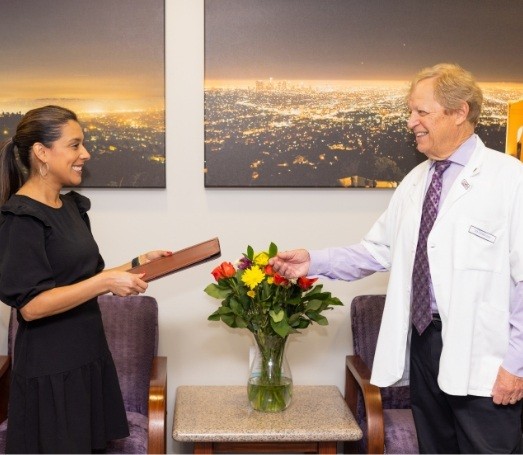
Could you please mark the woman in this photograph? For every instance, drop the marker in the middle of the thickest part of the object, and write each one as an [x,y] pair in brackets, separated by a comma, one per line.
[64,396]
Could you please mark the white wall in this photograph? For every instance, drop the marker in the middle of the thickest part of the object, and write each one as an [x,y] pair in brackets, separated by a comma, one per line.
[128,222]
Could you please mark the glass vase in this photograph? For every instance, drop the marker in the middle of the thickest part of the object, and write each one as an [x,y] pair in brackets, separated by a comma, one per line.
[270,381]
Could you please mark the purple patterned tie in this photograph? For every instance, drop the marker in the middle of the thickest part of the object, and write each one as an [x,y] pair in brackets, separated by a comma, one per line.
[421,312]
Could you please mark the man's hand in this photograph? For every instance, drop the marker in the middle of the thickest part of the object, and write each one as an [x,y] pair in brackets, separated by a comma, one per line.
[508,388]
[291,264]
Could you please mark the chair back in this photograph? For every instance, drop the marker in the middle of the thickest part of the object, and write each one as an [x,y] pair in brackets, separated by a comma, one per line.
[366,314]
[131,328]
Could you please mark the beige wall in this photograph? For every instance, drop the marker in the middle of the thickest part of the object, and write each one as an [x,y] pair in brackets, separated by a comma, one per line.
[127,222]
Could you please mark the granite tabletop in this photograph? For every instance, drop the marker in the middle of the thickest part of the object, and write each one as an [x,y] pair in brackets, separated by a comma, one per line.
[223,413]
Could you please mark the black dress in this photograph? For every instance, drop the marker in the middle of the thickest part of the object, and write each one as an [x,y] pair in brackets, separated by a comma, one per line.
[64,396]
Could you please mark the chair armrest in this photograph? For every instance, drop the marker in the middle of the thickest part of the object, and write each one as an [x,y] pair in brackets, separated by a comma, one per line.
[158,406]
[357,375]
[5,373]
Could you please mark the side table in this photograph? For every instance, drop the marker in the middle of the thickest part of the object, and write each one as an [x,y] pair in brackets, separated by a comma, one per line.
[219,419]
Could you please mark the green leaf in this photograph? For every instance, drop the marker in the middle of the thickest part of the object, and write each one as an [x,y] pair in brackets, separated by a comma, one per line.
[224,310]
[277,316]
[304,323]
[294,300]
[318,318]
[313,305]
[294,318]
[228,319]
[236,307]
[250,253]
[315,289]
[335,301]
[214,317]
[265,290]
[240,322]
[273,250]
[217,292]
[317,296]
[282,328]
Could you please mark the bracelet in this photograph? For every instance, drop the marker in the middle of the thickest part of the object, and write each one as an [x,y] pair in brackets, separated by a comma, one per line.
[136,261]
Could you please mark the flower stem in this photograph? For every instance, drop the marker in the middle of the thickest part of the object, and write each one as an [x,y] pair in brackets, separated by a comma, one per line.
[270,389]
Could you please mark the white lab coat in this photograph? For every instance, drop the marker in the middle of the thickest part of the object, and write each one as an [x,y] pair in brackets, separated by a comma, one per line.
[475,252]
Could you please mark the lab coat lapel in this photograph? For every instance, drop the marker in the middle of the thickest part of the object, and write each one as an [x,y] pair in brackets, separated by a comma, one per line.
[417,190]
[464,182]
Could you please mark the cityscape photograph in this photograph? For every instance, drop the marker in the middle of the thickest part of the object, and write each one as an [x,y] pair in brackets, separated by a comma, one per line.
[298,95]
[108,68]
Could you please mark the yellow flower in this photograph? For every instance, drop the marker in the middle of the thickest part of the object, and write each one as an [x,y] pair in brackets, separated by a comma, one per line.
[261,259]
[251,294]
[270,280]
[253,277]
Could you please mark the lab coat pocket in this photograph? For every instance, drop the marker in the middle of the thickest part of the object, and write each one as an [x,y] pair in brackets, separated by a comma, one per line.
[491,336]
[478,245]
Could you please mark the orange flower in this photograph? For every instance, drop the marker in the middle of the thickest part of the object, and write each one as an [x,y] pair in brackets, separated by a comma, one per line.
[268,270]
[224,270]
[306,283]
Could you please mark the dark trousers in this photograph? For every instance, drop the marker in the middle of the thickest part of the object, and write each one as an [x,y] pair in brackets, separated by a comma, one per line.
[456,424]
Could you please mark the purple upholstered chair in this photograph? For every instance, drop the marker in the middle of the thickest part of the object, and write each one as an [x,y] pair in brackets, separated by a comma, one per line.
[383,414]
[131,327]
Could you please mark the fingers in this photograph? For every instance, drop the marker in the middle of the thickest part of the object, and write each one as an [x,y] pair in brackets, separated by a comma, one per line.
[155,254]
[279,263]
[508,388]
[286,269]
[138,285]
[291,264]
[125,284]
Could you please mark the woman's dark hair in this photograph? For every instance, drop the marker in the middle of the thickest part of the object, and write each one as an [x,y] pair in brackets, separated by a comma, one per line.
[44,125]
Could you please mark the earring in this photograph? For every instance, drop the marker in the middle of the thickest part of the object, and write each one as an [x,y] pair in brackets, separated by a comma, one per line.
[44,170]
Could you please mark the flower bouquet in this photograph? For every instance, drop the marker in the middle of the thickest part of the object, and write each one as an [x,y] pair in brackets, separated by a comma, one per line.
[271,307]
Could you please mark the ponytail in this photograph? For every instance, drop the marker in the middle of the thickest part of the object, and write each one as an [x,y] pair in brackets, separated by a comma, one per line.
[11,176]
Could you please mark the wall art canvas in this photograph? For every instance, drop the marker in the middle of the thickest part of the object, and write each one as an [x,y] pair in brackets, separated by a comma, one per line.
[105,60]
[311,93]
[515,129]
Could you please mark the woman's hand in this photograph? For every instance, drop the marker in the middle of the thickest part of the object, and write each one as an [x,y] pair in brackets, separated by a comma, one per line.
[124,284]
[63,298]
[152,255]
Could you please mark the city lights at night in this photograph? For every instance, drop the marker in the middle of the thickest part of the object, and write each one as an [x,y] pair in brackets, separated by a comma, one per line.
[292,133]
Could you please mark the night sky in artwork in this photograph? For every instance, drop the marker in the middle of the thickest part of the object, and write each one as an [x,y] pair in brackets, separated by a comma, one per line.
[103,49]
[362,39]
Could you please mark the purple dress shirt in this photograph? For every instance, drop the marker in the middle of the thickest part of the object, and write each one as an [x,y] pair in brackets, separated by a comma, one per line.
[355,262]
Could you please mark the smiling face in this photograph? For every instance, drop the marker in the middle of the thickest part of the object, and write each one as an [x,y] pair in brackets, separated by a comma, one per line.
[67,156]
[439,132]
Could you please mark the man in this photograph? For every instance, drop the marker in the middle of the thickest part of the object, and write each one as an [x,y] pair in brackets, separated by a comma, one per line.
[452,238]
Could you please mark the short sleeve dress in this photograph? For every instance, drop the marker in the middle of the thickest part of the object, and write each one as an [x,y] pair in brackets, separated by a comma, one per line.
[64,395]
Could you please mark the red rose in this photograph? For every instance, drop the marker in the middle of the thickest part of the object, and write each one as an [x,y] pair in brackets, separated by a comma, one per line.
[279,280]
[224,270]
[306,283]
